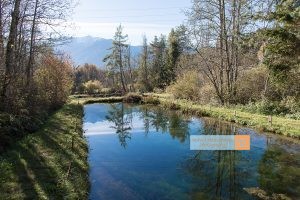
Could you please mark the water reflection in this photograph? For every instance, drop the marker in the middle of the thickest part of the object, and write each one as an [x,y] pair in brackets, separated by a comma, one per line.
[157,163]
[121,116]
[121,122]
[279,171]
[218,171]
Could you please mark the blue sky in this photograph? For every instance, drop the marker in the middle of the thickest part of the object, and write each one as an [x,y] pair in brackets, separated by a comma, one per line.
[99,18]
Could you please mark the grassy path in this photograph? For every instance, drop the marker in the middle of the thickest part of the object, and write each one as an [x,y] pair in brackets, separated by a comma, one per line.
[44,165]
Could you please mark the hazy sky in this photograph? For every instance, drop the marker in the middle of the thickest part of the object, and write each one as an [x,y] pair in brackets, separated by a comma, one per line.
[100,18]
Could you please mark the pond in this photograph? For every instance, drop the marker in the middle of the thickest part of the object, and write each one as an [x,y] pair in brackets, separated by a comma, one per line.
[143,152]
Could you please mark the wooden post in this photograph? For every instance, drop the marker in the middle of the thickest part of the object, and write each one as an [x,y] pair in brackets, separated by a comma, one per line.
[235,113]
[270,119]
[72,142]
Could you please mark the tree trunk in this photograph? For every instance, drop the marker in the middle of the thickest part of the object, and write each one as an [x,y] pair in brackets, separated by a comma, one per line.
[221,70]
[32,41]
[130,70]
[10,50]
[13,33]
[1,38]
[122,71]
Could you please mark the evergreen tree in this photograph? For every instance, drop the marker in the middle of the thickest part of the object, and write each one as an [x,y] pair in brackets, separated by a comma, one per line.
[283,41]
[144,73]
[158,66]
[282,49]
[116,60]
[173,55]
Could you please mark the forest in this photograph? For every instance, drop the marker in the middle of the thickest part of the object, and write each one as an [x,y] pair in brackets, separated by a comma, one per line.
[227,53]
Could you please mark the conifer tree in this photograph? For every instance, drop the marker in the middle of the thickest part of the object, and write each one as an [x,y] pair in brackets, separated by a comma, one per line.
[115,61]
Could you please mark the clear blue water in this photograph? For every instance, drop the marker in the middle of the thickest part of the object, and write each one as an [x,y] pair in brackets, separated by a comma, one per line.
[142,152]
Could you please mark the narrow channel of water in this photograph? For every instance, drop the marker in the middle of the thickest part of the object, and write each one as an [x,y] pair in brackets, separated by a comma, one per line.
[142,152]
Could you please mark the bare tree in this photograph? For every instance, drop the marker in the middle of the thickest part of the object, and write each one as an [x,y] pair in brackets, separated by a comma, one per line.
[32,41]
[10,49]
[30,31]
[216,28]
[130,69]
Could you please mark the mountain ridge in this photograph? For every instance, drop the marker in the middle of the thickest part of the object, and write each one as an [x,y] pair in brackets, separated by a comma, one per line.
[90,50]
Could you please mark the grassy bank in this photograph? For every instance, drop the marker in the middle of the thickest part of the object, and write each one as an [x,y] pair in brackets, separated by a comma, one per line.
[279,125]
[49,164]
[90,100]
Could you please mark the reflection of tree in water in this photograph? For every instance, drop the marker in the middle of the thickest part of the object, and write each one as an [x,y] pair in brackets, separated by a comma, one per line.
[165,121]
[153,117]
[178,127]
[216,127]
[121,122]
[279,171]
[216,173]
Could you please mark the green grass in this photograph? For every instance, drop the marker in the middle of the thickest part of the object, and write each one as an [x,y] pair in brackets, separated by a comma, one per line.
[43,165]
[90,100]
[280,125]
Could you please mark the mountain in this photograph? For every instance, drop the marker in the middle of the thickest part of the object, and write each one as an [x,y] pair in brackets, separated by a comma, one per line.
[90,50]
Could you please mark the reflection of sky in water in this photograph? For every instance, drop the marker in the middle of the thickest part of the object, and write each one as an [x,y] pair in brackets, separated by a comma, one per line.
[159,165]
[104,126]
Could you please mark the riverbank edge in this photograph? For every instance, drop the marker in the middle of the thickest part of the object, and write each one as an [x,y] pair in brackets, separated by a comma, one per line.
[50,163]
[278,125]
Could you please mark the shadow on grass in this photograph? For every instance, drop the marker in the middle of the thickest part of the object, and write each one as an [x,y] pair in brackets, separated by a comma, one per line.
[38,166]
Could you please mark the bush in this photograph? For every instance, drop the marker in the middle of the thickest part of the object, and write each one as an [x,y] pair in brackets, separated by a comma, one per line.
[287,108]
[251,85]
[291,103]
[151,100]
[93,87]
[158,91]
[107,91]
[191,86]
[54,80]
[133,98]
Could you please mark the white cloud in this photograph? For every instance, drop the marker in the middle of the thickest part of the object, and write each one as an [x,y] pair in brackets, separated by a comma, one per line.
[105,127]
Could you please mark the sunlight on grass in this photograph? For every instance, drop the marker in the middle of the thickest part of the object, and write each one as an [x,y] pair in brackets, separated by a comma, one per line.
[38,166]
[280,125]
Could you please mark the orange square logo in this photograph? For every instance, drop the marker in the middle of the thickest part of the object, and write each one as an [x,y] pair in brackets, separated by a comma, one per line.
[242,142]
